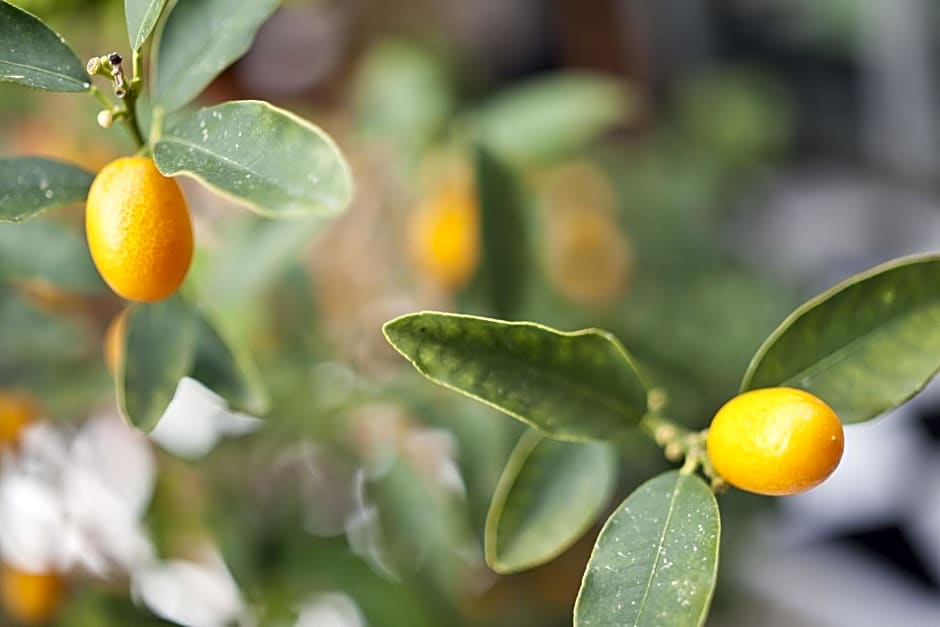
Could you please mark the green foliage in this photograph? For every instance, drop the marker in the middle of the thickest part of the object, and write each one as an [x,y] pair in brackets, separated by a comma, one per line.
[31,185]
[570,386]
[548,496]
[505,265]
[200,39]
[303,171]
[47,254]
[169,340]
[35,56]
[865,346]
[552,116]
[142,16]
[158,351]
[656,559]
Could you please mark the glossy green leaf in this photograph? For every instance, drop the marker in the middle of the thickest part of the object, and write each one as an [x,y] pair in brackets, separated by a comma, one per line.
[31,185]
[570,386]
[505,256]
[656,559]
[35,56]
[550,493]
[264,157]
[159,350]
[47,253]
[199,40]
[227,371]
[865,346]
[552,116]
[142,16]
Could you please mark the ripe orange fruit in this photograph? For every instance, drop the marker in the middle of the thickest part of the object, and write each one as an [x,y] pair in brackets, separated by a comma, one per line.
[775,441]
[445,234]
[114,342]
[138,228]
[31,599]
[17,409]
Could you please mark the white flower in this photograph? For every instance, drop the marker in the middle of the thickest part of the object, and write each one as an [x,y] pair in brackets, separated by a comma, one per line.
[330,610]
[197,419]
[76,502]
[192,593]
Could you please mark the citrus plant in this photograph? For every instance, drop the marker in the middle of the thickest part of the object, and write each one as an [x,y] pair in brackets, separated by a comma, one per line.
[848,355]
[138,225]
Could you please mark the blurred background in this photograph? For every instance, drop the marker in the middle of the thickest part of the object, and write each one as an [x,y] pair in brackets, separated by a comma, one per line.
[682,173]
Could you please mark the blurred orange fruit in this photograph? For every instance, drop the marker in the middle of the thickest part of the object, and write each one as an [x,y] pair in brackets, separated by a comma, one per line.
[114,342]
[444,237]
[17,409]
[30,598]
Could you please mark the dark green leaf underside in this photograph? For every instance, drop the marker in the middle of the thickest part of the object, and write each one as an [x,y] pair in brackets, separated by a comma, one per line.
[571,386]
[31,185]
[656,559]
[35,56]
[264,157]
[550,493]
[159,351]
[865,346]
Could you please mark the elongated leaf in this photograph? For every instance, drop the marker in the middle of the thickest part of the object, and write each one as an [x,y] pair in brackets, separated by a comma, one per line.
[227,371]
[656,559]
[571,386]
[142,16]
[35,56]
[264,157]
[199,40]
[31,185]
[159,350]
[865,346]
[505,257]
[551,116]
[549,495]
[47,253]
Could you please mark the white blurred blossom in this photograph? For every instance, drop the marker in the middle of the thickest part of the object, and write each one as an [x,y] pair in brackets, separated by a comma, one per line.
[75,500]
[194,593]
[197,419]
[333,609]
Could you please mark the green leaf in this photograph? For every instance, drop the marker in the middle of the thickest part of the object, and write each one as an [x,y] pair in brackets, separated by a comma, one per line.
[199,40]
[656,559]
[551,116]
[550,493]
[48,253]
[169,340]
[570,386]
[142,16]
[31,185]
[865,346]
[505,260]
[264,157]
[227,371]
[35,56]
[402,94]
[159,350]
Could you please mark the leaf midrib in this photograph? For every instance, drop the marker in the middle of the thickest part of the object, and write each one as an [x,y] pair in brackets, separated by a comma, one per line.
[846,350]
[604,400]
[659,549]
[42,70]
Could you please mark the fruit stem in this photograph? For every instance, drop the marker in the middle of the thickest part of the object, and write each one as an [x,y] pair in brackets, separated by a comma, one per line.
[679,443]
